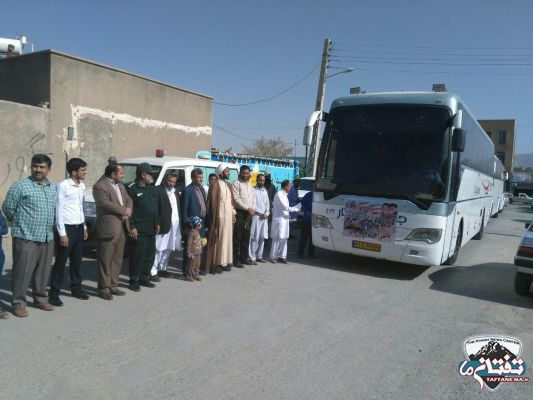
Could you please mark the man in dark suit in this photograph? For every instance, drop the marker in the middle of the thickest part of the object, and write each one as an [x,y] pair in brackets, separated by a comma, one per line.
[169,237]
[113,208]
[194,204]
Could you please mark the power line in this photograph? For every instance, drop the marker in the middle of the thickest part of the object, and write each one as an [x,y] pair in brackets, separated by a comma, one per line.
[271,97]
[504,60]
[443,72]
[491,64]
[239,136]
[335,49]
[264,127]
[232,133]
[435,47]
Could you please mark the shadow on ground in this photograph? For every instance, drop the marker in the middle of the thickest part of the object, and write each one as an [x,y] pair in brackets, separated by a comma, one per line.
[492,282]
[90,279]
[364,266]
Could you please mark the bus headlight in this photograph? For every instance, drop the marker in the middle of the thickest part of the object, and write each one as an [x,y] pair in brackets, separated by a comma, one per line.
[425,235]
[321,222]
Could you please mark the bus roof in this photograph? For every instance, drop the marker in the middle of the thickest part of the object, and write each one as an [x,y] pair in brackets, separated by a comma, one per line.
[447,99]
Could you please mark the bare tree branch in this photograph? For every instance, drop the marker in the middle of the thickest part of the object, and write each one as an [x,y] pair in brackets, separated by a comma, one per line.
[266,147]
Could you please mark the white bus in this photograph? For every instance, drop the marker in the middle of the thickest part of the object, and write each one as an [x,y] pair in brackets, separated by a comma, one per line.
[498,198]
[406,177]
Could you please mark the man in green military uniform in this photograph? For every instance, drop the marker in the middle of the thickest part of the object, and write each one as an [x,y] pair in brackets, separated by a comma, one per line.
[144,225]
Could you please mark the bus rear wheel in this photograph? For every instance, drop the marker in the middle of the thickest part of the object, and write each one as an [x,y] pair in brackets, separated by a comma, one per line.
[479,235]
[453,257]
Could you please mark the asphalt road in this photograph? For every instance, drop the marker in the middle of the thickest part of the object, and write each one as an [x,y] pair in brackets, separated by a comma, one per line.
[338,328]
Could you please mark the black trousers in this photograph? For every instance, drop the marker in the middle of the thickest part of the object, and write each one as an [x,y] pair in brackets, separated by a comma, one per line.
[73,253]
[305,237]
[142,258]
[241,237]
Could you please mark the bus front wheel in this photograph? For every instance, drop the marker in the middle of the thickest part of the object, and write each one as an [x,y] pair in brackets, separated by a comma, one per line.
[453,257]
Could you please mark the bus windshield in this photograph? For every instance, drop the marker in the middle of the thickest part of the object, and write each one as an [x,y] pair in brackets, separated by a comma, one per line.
[386,151]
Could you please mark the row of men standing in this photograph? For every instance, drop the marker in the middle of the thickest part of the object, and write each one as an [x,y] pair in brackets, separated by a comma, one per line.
[238,220]
[34,203]
[149,215]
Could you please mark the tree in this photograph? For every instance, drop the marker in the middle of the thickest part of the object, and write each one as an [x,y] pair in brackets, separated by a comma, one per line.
[266,147]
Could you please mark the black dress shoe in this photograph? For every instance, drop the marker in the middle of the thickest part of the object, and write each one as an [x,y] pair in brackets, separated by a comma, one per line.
[147,284]
[227,268]
[80,295]
[282,260]
[164,274]
[155,278]
[55,301]
[219,270]
[106,296]
[248,262]
[260,260]
[134,287]
[238,265]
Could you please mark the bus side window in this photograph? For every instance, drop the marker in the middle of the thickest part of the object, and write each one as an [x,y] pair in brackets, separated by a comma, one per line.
[455,177]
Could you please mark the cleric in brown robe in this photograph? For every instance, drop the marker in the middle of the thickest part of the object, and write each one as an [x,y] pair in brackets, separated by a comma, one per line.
[220,220]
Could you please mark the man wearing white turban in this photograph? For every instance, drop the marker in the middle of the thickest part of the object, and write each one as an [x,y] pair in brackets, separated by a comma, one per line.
[219,221]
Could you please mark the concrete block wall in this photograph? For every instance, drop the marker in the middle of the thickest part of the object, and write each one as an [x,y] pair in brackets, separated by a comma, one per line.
[24,131]
[112,112]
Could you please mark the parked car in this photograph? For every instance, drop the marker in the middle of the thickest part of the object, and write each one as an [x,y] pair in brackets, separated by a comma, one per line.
[523,198]
[507,198]
[306,185]
[524,262]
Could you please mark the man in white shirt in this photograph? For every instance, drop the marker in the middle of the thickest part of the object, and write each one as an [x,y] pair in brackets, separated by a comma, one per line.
[280,224]
[244,196]
[72,232]
[259,230]
[169,237]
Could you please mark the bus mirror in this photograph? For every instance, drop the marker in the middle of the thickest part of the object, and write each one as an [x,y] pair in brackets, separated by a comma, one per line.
[308,135]
[325,116]
[458,140]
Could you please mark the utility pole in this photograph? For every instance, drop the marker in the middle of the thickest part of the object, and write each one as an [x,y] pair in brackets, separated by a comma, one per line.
[315,142]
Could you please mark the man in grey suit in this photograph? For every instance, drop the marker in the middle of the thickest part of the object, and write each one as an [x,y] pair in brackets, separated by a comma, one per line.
[113,208]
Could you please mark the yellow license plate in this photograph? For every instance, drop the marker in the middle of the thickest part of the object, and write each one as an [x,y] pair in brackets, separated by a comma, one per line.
[356,244]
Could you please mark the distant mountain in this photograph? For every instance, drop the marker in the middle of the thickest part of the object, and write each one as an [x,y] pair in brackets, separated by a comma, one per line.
[523,160]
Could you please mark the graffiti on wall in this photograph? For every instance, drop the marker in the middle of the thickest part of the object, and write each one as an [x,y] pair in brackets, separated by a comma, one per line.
[14,165]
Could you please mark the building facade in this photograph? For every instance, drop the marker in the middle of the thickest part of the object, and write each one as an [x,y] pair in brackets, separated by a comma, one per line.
[502,134]
[66,107]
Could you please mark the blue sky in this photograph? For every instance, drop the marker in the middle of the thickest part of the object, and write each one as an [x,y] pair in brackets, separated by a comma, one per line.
[241,51]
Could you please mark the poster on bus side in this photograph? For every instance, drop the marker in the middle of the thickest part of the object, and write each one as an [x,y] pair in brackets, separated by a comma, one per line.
[368,220]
